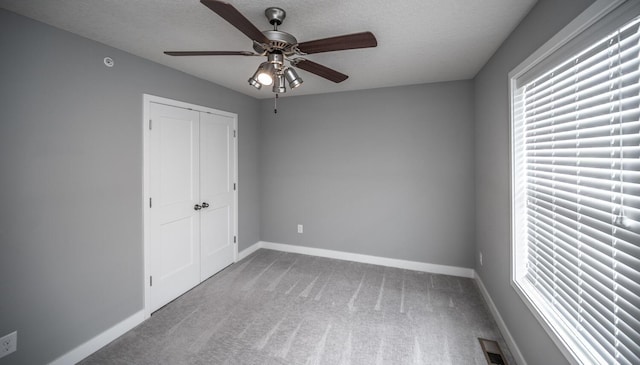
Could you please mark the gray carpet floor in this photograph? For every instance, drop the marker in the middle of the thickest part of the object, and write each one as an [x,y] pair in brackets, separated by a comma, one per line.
[283,308]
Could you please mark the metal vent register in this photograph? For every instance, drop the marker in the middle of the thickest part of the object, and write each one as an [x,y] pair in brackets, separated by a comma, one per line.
[492,352]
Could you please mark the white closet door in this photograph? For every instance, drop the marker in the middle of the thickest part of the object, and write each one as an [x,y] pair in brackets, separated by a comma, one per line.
[217,163]
[175,189]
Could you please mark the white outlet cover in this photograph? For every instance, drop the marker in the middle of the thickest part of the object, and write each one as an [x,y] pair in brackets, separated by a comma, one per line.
[300,228]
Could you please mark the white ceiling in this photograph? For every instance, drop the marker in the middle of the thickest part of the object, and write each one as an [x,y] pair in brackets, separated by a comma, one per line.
[419,41]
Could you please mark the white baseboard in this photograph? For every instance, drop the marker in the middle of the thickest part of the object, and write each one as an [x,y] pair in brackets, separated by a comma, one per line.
[100,340]
[513,347]
[367,259]
[249,250]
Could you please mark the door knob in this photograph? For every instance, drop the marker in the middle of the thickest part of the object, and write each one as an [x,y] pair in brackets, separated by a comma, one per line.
[205,205]
[197,207]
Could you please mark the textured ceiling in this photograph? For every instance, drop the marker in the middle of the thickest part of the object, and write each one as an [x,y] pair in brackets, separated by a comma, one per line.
[419,41]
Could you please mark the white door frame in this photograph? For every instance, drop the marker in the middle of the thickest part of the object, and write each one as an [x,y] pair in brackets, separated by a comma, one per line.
[146,116]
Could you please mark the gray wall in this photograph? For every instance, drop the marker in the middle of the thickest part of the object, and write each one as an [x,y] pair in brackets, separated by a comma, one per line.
[492,172]
[385,172]
[71,182]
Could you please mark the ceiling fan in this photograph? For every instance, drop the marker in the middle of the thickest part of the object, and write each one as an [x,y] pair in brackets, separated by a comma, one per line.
[279,46]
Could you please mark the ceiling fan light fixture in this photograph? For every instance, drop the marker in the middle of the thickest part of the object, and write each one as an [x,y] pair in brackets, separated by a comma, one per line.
[253,82]
[265,78]
[292,78]
[279,86]
[265,73]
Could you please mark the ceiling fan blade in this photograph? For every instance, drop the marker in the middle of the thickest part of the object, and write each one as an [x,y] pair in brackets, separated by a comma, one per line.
[318,69]
[235,18]
[210,53]
[339,43]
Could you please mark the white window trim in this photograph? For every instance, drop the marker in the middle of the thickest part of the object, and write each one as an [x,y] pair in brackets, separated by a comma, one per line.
[590,16]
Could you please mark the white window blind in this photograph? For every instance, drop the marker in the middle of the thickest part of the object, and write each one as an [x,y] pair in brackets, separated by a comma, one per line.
[576,173]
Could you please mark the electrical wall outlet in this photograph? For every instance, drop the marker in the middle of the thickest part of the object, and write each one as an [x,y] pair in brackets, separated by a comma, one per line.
[300,228]
[8,344]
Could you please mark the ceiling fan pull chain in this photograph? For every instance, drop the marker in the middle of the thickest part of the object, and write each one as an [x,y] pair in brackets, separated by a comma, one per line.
[275,105]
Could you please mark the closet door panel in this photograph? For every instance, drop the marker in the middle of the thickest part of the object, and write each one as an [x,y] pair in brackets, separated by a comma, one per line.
[175,185]
[217,151]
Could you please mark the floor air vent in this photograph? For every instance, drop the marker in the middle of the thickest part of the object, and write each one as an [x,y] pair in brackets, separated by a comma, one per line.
[492,352]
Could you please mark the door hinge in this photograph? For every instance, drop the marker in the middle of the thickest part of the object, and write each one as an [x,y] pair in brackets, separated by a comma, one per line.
[235,239]
[149,202]
[234,186]
[234,133]
[150,280]
[150,124]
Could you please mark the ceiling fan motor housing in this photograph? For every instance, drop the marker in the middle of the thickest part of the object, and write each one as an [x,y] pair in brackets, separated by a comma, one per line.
[278,41]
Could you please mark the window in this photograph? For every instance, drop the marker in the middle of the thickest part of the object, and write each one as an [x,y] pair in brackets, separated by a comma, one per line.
[576,187]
